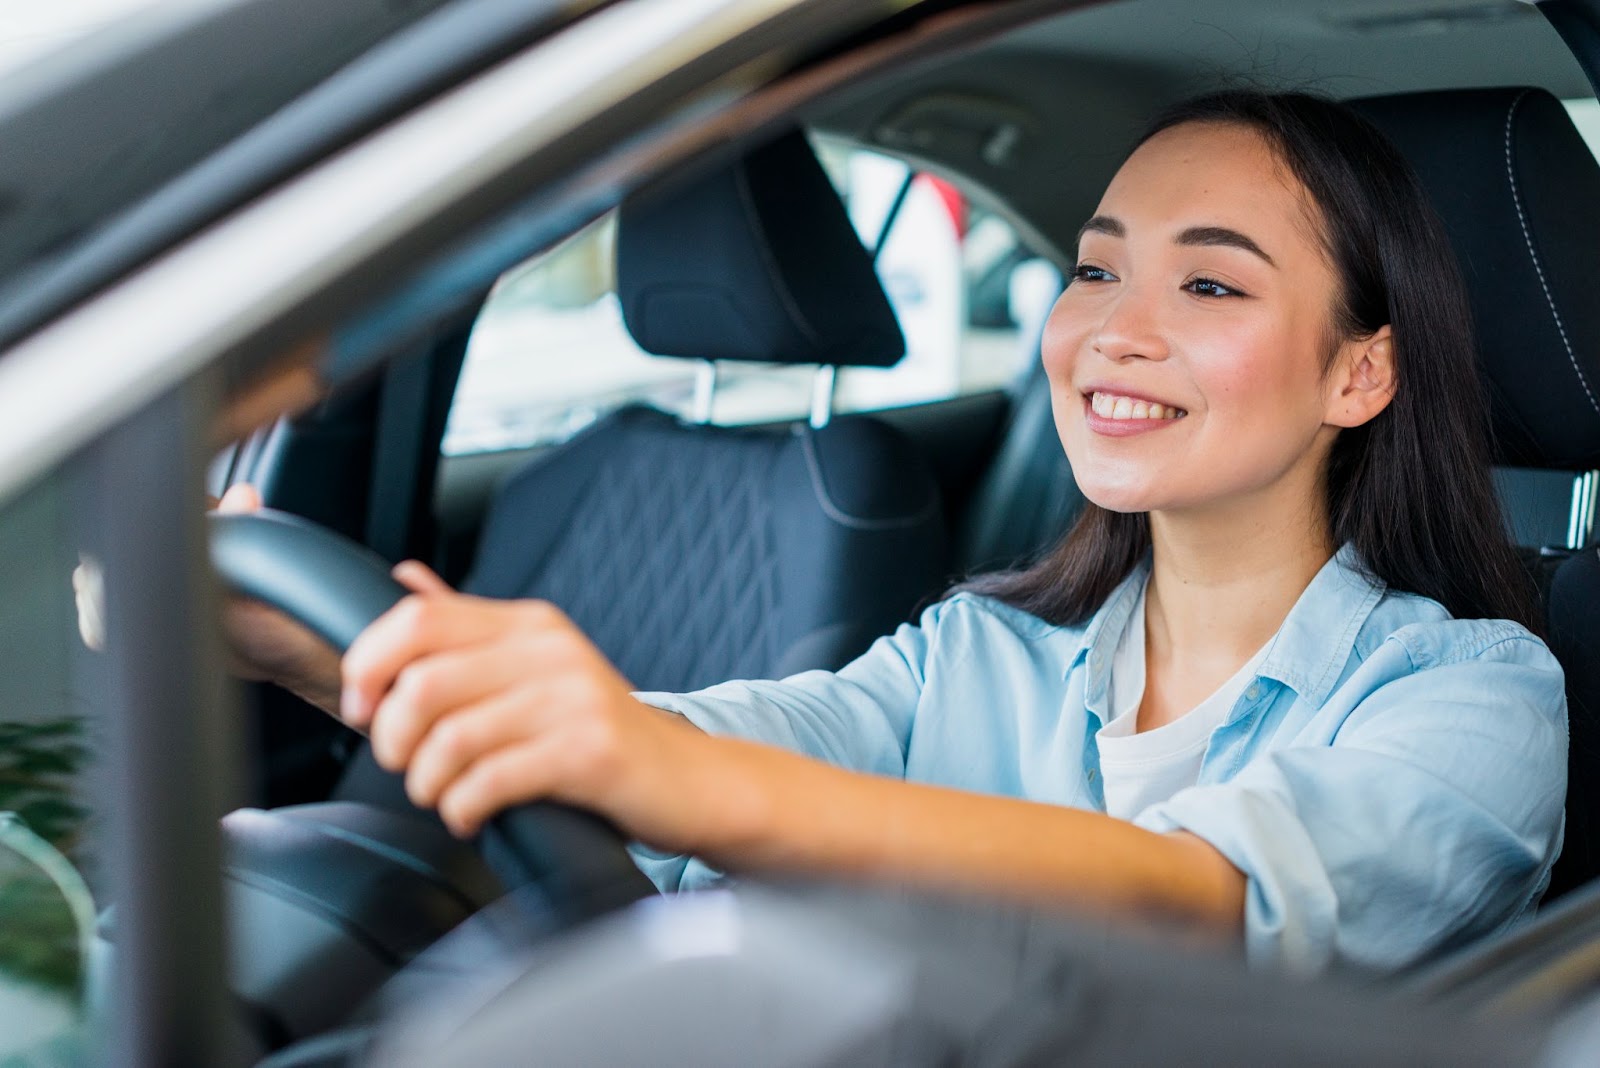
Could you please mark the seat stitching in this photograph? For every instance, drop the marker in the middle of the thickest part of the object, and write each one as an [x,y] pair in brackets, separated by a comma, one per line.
[1527,237]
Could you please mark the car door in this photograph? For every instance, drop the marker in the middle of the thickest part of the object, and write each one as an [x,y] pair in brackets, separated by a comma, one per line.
[313,267]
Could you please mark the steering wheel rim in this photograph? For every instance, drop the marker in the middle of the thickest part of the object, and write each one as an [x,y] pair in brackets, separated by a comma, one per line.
[336,588]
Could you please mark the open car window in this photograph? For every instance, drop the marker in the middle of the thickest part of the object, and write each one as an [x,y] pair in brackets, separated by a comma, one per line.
[52,701]
[550,354]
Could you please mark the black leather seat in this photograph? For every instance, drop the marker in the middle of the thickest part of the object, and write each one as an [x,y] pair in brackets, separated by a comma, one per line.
[1519,193]
[692,554]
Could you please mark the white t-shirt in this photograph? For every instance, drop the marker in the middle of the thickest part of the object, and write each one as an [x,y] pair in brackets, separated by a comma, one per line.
[1139,769]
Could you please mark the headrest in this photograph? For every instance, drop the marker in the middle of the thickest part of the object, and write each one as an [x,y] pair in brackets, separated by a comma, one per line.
[757,261]
[1519,193]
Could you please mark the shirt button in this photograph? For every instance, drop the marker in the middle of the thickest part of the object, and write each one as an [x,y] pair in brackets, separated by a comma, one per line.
[1253,692]
[1091,775]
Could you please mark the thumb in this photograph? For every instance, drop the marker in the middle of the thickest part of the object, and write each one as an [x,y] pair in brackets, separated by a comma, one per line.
[418,577]
[240,497]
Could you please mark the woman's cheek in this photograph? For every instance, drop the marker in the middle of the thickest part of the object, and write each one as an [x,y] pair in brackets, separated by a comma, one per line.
[1058,345]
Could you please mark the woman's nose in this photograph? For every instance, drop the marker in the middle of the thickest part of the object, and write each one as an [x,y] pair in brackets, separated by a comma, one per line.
[1130,326]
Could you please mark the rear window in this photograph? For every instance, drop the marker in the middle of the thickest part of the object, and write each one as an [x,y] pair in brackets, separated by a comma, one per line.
[549,353]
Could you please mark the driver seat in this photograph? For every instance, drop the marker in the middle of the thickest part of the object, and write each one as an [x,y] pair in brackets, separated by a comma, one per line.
[692,554]
[689,553]
[1519,193]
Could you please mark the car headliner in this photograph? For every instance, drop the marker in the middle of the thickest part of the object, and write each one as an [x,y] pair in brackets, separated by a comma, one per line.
[1081,83]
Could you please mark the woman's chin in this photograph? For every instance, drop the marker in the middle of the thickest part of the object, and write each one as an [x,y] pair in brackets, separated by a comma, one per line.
[1121,498]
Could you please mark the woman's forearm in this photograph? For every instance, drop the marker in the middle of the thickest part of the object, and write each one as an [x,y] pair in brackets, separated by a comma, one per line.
[800,815]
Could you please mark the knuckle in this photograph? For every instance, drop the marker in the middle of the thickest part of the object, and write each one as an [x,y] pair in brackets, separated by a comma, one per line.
[546,614]
[417,684]
[412,616]
[453,739]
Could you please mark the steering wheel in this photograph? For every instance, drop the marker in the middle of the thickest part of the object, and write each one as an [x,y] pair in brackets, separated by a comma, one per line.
[336,588]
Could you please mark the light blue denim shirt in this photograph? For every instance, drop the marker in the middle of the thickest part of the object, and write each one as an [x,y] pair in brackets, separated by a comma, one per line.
[1391,783]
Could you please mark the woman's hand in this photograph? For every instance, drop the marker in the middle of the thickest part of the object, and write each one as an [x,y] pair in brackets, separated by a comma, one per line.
[263,644]
[485,704]
[266,645]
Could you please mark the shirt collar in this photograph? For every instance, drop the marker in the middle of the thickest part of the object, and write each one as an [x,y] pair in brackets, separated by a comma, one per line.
[1313,645]
[1308,653]
[1100,638]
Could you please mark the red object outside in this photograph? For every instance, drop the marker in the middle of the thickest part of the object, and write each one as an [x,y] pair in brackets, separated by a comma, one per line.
[955,205]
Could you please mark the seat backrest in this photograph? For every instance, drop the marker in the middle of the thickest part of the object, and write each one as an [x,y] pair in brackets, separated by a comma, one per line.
[1027,498]
[692,554]
[1519,193]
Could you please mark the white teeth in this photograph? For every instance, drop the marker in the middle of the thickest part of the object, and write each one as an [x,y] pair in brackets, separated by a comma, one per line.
[1111,406]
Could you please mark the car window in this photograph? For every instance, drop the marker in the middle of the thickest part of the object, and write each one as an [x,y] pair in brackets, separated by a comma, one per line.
[1585,112]
[49,722]
[549,353]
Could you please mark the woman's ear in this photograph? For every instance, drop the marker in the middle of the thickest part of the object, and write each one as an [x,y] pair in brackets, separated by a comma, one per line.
[1362,383]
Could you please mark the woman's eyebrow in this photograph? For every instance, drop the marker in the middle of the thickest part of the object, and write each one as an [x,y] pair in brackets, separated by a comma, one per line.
[1222,235]
[1194,235]
[1101,224]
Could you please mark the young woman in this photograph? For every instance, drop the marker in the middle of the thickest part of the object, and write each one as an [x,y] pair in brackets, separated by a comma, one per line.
[1278,681]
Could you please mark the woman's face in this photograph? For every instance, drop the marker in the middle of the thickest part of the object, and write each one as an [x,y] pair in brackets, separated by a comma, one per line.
[1186,356]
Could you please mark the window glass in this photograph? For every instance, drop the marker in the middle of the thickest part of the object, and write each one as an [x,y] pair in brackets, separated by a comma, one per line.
[1585,114]
[49,731]
[550,354]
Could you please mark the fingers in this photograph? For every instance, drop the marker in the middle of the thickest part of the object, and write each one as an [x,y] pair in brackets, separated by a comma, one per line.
[506,777]
[427,623]
[418,577]
[436,686]
[240,497]
[419,625]
[452,744]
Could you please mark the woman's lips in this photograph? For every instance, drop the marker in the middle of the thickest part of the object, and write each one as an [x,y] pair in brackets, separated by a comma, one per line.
[1132,423]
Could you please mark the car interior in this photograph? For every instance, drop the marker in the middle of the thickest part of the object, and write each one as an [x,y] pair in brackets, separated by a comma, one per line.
[693,552]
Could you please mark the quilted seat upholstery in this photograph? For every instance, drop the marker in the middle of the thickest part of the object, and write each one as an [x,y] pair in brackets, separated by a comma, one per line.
[695,554]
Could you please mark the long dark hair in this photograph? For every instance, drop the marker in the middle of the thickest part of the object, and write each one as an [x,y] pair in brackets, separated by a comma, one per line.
[1410,489]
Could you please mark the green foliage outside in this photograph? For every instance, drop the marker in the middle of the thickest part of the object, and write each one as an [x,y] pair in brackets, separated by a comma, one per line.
[39,940]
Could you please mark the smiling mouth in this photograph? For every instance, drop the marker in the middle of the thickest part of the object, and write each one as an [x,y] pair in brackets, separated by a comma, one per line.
[1114,406]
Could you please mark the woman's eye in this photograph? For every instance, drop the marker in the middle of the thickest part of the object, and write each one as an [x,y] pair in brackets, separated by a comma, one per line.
[1210,287]
[1084,272]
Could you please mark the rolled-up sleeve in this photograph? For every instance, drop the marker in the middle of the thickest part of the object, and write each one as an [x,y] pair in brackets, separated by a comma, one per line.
[858,718]
[1422,808]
